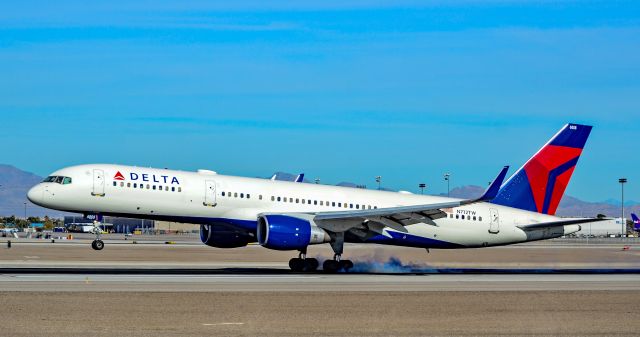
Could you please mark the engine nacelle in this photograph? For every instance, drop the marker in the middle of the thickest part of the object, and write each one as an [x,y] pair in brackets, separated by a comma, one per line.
[283,232]
[221,236]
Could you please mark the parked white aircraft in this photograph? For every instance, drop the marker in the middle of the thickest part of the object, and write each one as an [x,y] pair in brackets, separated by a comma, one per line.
[234,211]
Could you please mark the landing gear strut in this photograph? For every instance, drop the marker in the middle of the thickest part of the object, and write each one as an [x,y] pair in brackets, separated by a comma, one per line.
[303,263]
[97,244]
[337,264]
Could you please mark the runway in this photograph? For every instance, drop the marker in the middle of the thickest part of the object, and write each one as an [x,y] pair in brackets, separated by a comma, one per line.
[290,282]
[154,289]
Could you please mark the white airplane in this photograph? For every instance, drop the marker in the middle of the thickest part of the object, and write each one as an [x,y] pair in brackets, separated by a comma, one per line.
[234,211]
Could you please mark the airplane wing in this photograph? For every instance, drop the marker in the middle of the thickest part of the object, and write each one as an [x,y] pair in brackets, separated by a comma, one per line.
[398,217]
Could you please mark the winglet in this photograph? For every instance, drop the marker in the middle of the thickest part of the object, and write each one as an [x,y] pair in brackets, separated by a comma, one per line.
[493,189]
[299,178]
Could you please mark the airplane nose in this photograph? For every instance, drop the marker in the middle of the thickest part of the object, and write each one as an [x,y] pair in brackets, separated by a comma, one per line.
[35,195]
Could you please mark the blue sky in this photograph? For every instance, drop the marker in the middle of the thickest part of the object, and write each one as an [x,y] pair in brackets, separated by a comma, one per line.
[341,90]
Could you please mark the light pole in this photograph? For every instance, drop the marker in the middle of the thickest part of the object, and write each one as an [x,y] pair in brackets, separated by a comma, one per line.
[422,187]
[447,177]
[622,181]
[379,180]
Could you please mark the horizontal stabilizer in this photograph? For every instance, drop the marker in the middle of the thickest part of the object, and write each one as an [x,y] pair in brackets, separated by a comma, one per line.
[560,223]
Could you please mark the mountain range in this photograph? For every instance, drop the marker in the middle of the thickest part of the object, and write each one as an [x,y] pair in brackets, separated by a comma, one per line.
[14,184]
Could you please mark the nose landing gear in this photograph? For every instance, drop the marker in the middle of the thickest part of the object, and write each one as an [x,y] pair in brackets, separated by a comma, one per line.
[97,244]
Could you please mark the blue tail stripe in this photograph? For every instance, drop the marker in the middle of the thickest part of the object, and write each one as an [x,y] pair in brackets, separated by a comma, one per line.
[551,182]
[572,135]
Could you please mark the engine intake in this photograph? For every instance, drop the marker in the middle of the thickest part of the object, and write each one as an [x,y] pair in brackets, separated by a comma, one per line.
[221,236]
[283,232]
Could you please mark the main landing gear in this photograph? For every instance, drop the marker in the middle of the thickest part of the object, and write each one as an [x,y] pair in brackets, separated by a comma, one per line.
[336,265]
[302,263]
[97,244]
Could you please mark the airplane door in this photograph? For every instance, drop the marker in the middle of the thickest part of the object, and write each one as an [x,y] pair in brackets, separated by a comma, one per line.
[494,226]
[98,183]
[210,193]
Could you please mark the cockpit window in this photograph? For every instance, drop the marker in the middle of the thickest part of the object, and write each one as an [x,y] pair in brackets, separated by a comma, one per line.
[58,180]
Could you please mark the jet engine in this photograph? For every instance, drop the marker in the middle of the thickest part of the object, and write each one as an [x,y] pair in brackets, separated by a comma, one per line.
[283,232]
[221,236]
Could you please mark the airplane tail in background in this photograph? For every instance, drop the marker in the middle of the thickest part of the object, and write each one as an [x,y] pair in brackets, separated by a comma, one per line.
[539,185]
[636,222]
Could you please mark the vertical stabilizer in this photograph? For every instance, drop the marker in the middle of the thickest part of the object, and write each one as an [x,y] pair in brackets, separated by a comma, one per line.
[539,185]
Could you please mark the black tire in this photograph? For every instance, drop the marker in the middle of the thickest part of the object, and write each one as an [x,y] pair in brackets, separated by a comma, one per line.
[346,265]
[330,266]
[296,264]
[311,264]
[97,244]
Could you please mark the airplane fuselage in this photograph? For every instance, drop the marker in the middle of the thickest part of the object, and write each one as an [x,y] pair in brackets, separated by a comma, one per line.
[205,197]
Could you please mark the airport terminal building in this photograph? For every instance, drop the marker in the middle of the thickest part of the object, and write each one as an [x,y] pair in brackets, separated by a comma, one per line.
[127,225]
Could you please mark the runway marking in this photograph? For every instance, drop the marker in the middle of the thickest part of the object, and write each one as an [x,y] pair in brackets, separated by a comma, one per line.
[224,323]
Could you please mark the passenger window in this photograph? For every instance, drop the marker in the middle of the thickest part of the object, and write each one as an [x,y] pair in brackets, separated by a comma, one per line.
[141,186]
[303,201]
[321,203]
[241,195]
[474,218]
[315,202]
[346,205]
[154,187]
[115,183]
[179,189]
[260,197]
[135,185]
[166,188]
[248,196]
[223,193]
[457,216]
[121,184]
[128,184]
[479,218]
[278,198]
[284,199]
[290,199]
[148,186]
[297,200]
[375,207]
[333,203]
[273,198]
[235,194]
[173,189]
[339,204]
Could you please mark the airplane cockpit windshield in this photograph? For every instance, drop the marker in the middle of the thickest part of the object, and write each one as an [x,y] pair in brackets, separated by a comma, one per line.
[58,180]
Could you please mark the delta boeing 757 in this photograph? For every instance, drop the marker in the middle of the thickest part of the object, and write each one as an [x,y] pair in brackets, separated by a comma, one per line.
[235,211]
